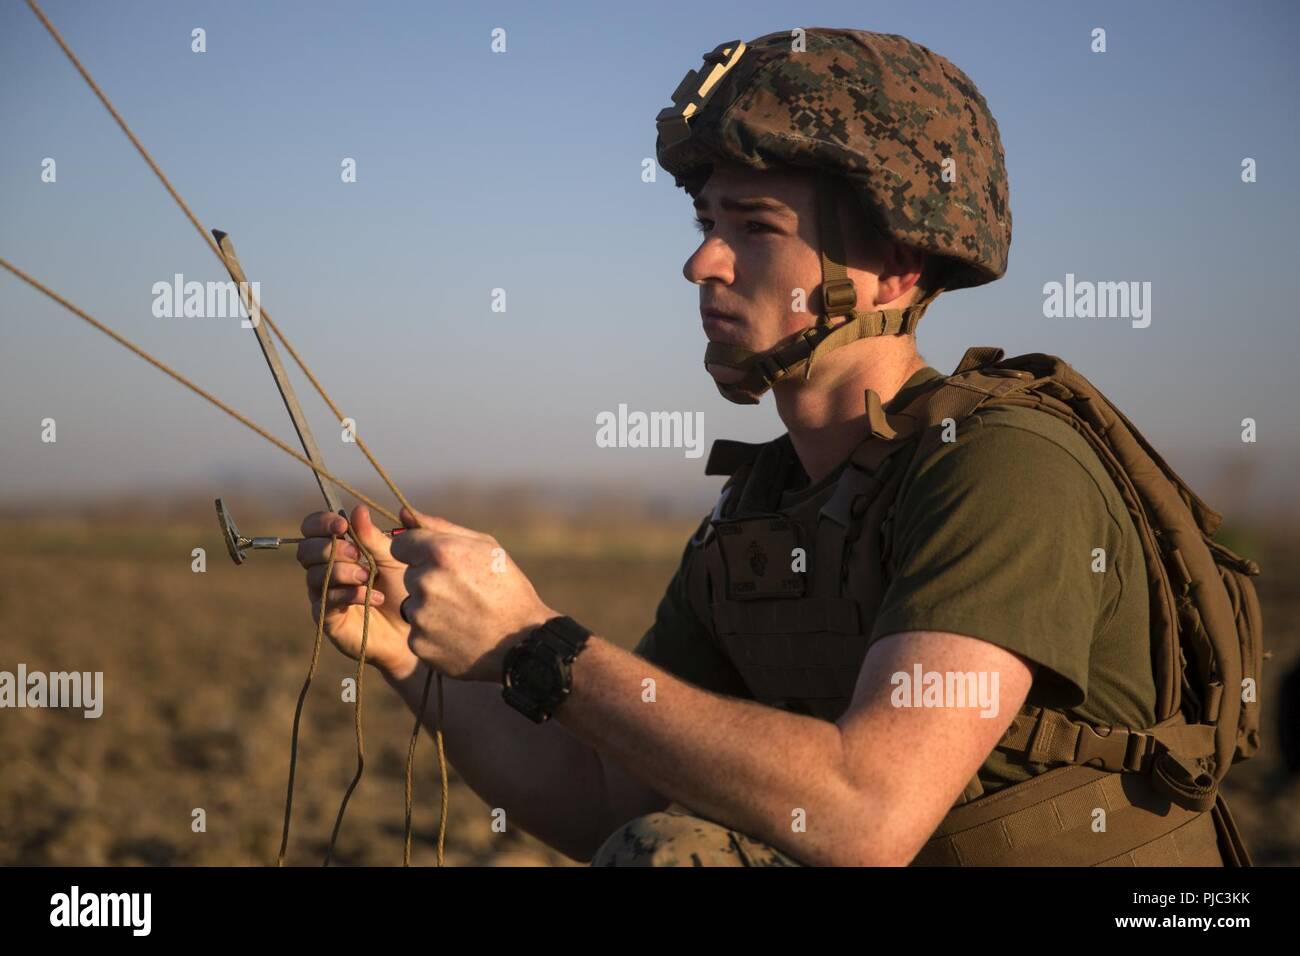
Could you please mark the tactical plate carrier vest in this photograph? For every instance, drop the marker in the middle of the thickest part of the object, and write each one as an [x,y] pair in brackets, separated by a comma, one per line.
[798,637]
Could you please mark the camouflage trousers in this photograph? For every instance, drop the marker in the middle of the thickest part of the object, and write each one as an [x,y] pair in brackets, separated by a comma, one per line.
[674,837]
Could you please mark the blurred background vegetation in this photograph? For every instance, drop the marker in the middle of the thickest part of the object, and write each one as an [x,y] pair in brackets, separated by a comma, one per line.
[202,672]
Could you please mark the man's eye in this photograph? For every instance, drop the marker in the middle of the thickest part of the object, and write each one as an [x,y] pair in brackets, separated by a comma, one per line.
[751,225]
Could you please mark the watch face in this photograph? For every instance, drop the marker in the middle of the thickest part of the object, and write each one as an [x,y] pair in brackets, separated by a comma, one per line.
[537,675]
[532,672]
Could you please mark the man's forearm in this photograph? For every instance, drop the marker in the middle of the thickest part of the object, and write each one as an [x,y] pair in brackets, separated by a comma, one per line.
[774,775]
[548,782]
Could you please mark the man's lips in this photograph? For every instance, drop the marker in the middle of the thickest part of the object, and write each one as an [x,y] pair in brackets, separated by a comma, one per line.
[722,326]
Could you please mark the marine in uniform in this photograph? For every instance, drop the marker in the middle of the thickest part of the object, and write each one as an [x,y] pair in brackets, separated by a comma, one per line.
[982,533]
[1006,513]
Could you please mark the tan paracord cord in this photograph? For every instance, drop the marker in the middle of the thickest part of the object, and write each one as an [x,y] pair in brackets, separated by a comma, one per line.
[211,243]
[198,390]
[302,697]
[361,668]
[438,735]
[244,420]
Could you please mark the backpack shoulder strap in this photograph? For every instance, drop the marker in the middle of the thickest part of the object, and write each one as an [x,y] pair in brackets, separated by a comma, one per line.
[980,377]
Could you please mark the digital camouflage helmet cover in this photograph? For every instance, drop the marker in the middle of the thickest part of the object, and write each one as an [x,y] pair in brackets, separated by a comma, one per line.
[905,128]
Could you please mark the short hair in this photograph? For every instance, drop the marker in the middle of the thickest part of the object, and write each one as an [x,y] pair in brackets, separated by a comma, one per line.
[932,275]
[933,266]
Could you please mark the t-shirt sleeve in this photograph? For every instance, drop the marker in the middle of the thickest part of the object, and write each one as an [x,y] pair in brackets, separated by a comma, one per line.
[995,539]
[682,645]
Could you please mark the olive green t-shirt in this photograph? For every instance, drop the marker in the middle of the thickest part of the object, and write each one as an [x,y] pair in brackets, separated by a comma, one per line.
[995,538]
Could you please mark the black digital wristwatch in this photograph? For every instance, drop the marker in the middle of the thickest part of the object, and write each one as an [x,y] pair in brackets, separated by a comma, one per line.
[537,676]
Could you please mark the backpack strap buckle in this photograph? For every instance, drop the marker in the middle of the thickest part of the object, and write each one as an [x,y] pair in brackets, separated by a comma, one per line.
[1117,750]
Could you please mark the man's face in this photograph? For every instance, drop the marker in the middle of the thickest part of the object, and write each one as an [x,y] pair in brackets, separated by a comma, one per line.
[760,244]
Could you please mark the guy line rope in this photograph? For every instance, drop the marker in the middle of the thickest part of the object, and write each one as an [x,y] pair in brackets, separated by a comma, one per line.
[315,466]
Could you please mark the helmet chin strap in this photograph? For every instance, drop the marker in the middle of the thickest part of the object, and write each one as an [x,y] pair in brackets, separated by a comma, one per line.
[762,370]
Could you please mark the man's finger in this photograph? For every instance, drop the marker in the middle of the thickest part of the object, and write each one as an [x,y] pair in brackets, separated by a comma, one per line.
[314,551]
[427,549]
[410,605]
[322,524]
[413,547]
[342,574]
[346,597]
[418,519]
[369,534]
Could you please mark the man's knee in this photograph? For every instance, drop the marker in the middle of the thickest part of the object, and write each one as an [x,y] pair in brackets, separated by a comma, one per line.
[671,838]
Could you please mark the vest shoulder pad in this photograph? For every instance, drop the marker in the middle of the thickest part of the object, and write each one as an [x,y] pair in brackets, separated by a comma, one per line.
[725,456]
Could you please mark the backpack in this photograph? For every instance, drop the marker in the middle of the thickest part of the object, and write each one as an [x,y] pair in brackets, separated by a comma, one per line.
[1206,627]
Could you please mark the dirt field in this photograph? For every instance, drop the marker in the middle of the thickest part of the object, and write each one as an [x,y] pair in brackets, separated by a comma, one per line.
[202,672]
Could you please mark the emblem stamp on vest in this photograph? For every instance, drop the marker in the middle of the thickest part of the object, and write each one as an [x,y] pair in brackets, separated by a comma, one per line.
[757,555]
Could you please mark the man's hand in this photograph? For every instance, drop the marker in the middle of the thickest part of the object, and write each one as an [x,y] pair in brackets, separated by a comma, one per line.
[386,647]
[469,603]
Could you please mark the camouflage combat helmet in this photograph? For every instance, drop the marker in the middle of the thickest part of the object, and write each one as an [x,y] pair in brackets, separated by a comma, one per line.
[877,111]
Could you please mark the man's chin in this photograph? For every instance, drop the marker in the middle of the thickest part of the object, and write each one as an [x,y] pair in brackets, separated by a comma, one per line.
[723,375]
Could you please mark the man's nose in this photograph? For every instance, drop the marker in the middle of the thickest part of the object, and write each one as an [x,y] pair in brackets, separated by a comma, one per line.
[712,260]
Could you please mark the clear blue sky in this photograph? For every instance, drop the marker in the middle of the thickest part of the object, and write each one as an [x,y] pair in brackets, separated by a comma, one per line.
[522,170]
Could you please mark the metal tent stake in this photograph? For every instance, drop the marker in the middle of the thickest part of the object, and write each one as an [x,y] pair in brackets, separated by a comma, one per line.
[237,544]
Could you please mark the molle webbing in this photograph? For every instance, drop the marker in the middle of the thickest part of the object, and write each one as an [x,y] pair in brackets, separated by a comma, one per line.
[1054,820]
[798,639]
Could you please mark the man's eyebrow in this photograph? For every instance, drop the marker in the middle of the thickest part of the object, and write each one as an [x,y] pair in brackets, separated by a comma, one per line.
[747,205]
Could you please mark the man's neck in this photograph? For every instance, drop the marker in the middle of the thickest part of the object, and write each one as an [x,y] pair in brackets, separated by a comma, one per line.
[827,416]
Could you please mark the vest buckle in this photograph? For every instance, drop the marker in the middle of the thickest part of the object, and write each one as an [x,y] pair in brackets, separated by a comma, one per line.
[1117,750]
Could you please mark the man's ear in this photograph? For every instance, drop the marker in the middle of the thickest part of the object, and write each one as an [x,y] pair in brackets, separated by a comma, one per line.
[901,269]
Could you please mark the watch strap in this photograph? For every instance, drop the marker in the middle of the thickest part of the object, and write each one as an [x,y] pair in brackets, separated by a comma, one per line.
[565,635]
